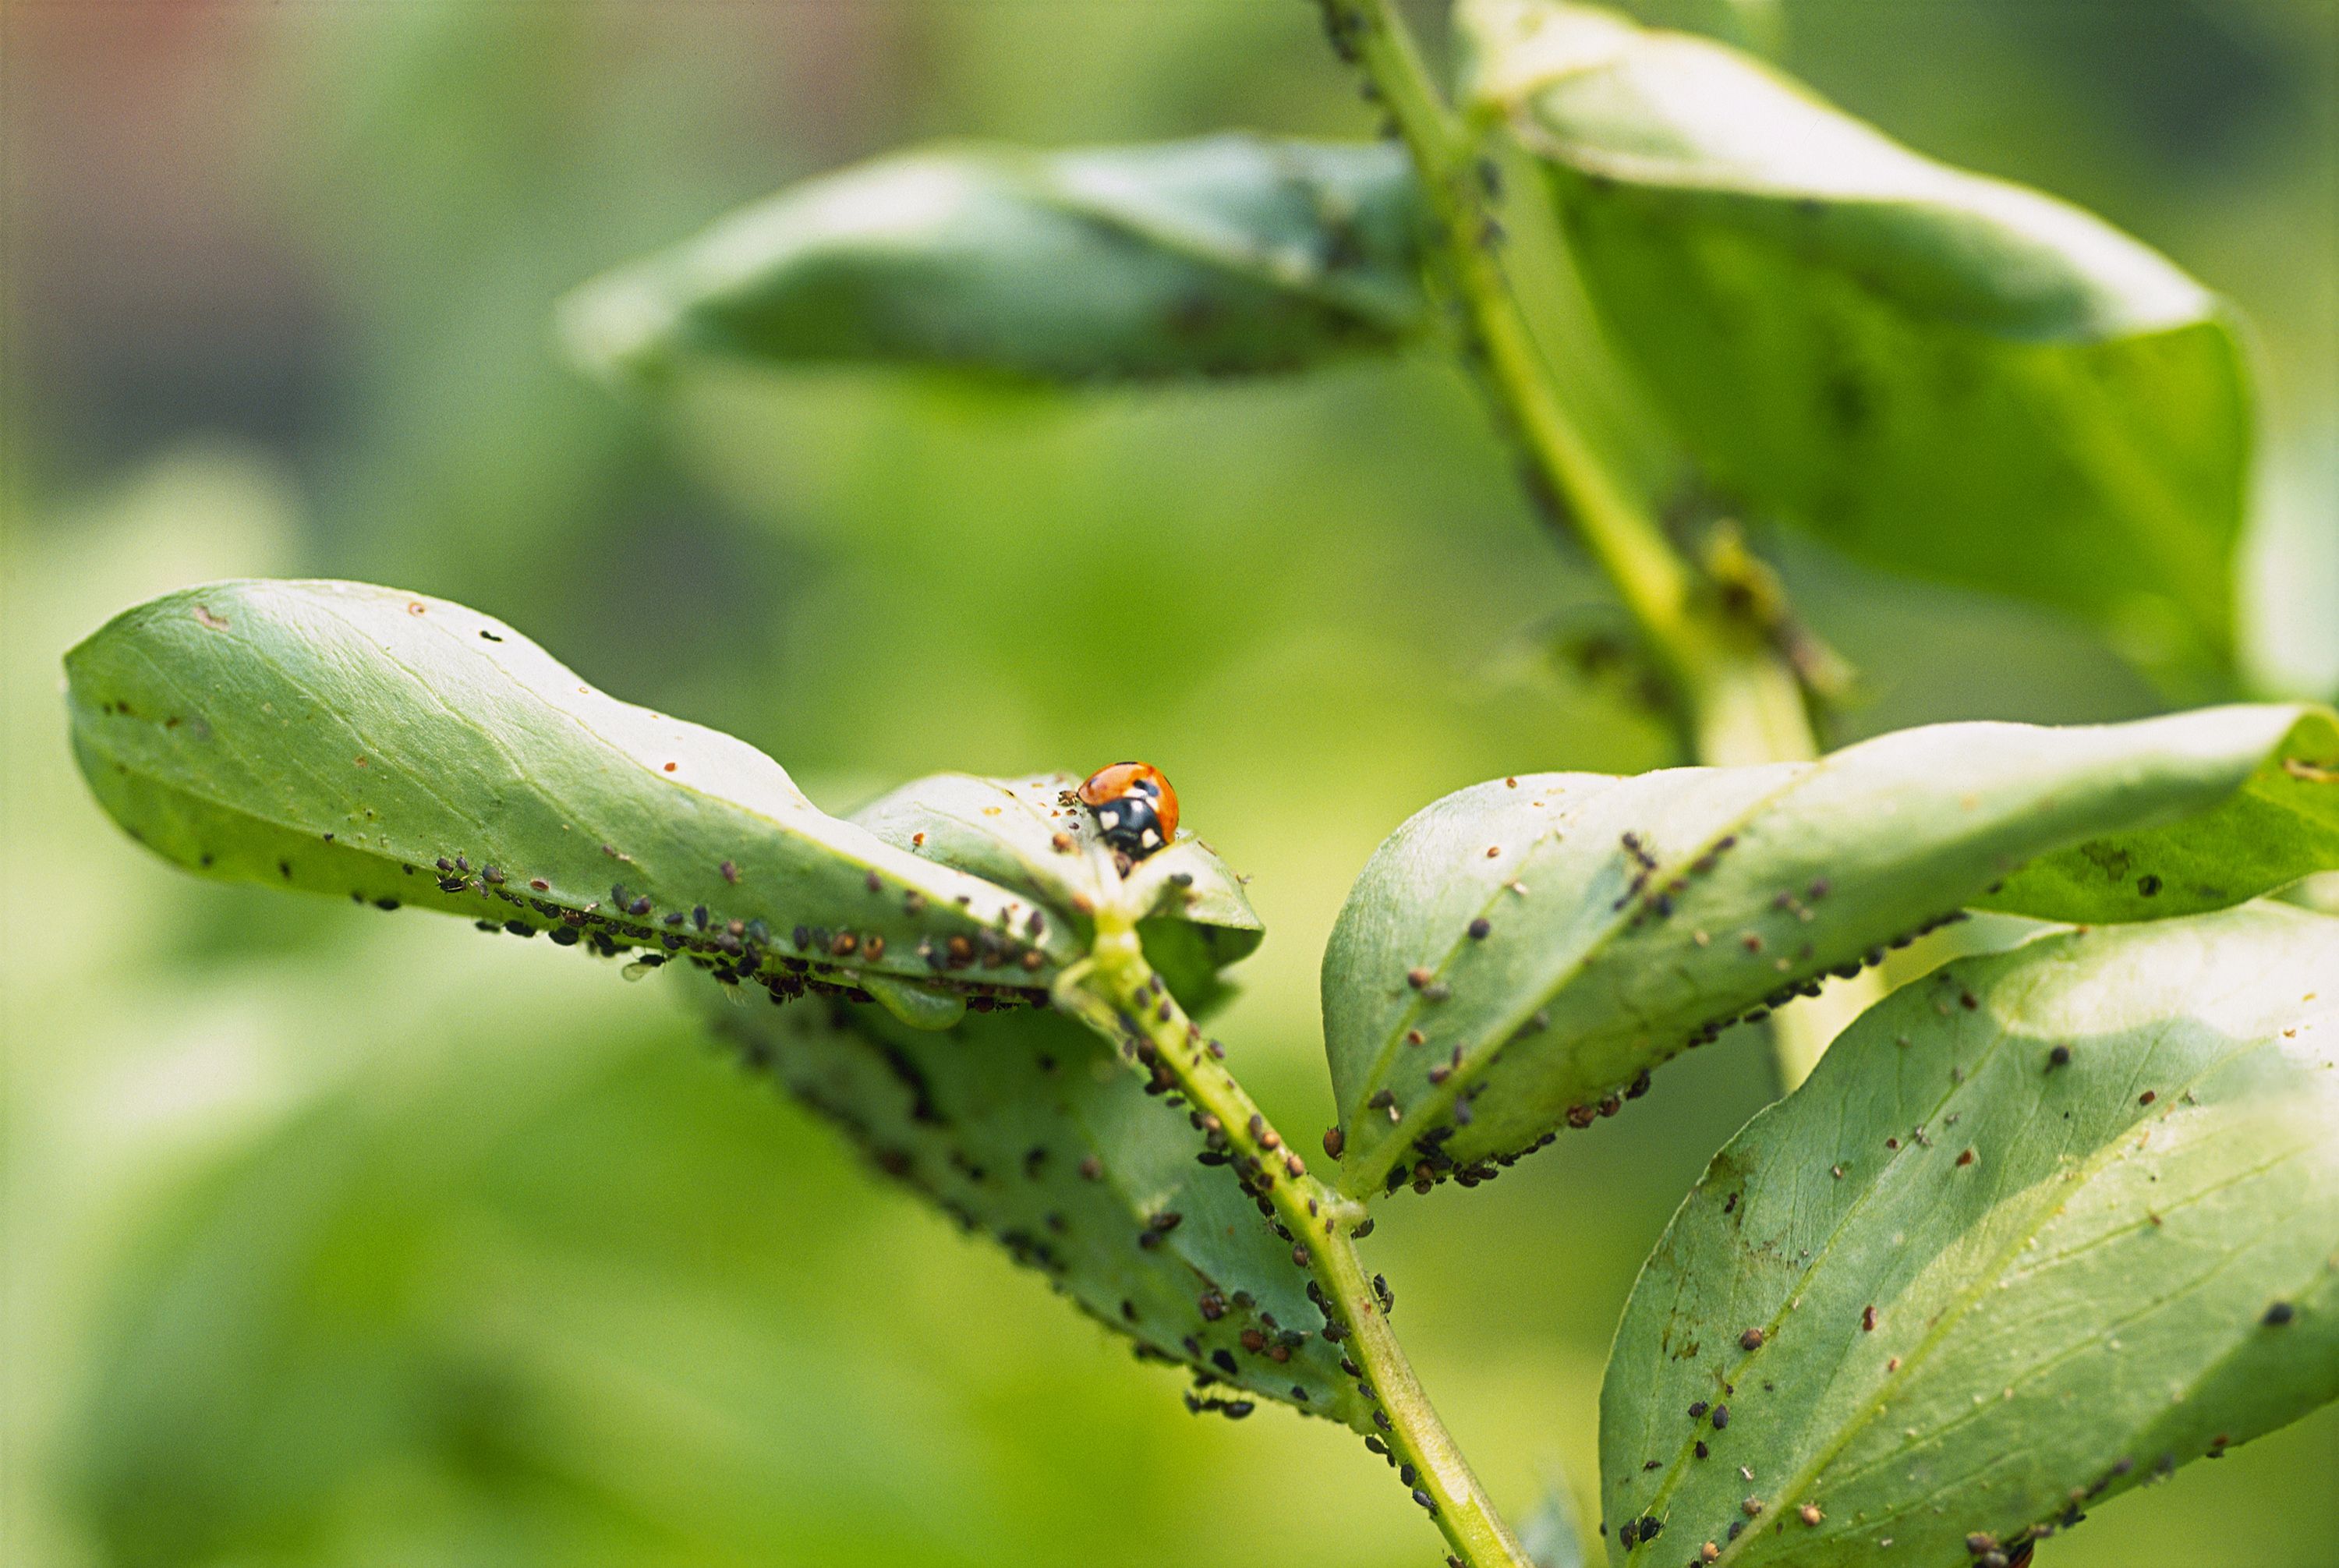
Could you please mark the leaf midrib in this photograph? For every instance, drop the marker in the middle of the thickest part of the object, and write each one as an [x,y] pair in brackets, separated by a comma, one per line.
[1964,1301]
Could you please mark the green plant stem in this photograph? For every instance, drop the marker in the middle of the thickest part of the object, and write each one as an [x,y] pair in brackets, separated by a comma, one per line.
[1116,992]
[1634,553]
[1741,703]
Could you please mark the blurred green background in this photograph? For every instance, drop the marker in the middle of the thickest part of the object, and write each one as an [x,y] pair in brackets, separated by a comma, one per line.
[338,1237]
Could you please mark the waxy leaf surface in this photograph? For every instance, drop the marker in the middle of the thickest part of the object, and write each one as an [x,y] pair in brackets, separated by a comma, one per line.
[1520,954]
[1940,373]
[1228,255]
[386,746]
[2040,1227]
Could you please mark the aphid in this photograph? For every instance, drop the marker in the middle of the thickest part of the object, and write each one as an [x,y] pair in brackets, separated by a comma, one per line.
[1136,809]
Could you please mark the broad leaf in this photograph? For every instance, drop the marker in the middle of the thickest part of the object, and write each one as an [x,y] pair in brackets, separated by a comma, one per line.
[1024,1127]
[2039,1229]
[1032,836]
[396,749]
[2260,798]
[1940,373]
[1228,255]
[1519,955]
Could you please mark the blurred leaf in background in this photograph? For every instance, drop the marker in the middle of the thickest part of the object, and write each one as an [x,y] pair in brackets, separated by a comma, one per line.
[531,1274]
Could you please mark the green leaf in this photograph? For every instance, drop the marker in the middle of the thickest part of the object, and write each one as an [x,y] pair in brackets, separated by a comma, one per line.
[396,749]
[1228,255]
[1760,25]
[1022,1126]
[2038,1230]
[2260,790]
[1940,373]
[1032,836]
[1626,920]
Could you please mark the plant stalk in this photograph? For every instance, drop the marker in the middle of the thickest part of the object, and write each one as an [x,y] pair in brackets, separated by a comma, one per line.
[1116,992]
[1742,701]
[1567,476]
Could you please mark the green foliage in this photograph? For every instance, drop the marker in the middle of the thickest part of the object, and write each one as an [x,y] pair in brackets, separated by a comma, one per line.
[2041,1227]
[1937,372]
[2261,810]
[395,749]
[1757,24]
[1229,255]
[2044,1224]
[1022,1126]
[1031,836]
[1521,954]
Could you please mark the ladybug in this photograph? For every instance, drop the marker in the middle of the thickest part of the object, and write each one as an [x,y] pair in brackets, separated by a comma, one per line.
[1136,809]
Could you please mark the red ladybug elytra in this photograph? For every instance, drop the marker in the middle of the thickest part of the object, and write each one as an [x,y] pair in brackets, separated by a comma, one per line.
[1136,809]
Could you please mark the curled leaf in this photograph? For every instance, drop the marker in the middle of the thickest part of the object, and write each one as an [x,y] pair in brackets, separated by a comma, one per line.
[397,749]
[2039,1229]
[1520,955]
[1228,255]
[1032,836]
[1940,373]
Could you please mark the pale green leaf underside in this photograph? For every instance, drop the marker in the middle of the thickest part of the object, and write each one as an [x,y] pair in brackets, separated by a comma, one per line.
[1988,1282]
[1024,1125]
[341,738]
[1230,254]
[1629,919]
[1940,373]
